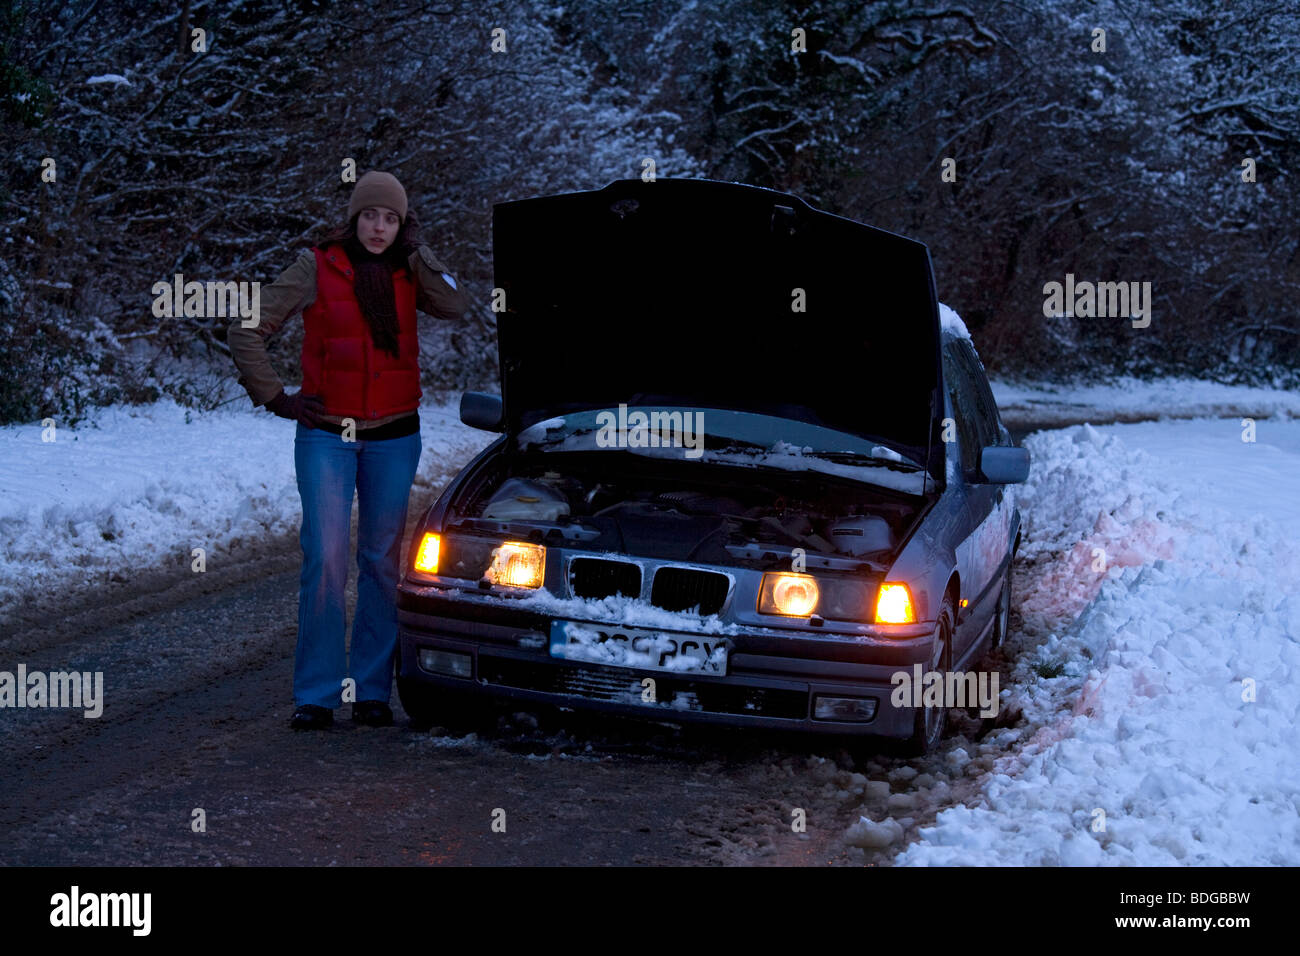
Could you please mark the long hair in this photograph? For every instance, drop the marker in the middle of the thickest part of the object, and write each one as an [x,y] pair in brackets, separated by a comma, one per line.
[373,283]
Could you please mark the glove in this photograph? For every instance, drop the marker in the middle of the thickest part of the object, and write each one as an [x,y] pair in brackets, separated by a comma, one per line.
[306,409]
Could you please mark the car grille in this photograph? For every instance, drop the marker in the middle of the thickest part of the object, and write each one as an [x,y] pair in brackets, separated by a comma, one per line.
[680,589]
[616,686]
[599,578]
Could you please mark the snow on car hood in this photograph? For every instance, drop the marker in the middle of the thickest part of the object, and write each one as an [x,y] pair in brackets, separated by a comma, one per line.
[699,293]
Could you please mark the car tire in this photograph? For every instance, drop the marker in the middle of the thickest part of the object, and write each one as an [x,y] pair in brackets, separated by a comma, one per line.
[930,722]
[418,702]
[1002,615]
[431,706]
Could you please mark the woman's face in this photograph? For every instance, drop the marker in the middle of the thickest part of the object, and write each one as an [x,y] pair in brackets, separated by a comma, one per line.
[377,228]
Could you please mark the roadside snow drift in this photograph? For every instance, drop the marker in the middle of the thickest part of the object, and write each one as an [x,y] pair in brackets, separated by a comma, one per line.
[143,486]
[1159,658]
[1048,405]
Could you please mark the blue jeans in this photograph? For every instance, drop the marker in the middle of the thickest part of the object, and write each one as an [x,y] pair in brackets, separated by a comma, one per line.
[330,470]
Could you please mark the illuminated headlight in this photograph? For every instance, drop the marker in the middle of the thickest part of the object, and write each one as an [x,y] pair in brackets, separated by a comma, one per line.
[794,595]
[473,558]
[894,604]
[517,565]
[802,595]
[426,555]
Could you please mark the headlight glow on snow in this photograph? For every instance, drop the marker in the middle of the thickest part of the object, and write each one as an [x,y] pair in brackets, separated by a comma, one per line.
[426,556]
[517,564]
[894,605]
[794,595]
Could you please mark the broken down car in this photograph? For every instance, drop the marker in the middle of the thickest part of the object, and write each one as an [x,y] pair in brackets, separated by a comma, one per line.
[744,475]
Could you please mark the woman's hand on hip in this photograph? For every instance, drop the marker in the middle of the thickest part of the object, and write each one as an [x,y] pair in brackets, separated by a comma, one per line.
[306,409]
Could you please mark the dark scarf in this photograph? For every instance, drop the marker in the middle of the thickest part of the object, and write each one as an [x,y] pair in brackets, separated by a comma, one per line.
[373,285]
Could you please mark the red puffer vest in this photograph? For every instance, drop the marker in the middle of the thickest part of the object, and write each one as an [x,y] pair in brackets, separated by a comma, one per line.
[339,360]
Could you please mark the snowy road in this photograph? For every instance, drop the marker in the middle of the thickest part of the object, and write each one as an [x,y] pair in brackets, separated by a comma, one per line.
[1156,593]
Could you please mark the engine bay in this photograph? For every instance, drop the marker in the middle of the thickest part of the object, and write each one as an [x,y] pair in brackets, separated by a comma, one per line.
[694,512]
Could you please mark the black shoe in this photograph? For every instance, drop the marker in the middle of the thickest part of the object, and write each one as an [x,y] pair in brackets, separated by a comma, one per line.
[372,713]
[311,717]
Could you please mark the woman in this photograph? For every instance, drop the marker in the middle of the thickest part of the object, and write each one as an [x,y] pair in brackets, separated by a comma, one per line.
[358,431]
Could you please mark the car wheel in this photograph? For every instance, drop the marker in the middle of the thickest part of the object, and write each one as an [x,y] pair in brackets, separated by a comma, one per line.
[1002,616]
[430,706]
[418,701]
[930,722]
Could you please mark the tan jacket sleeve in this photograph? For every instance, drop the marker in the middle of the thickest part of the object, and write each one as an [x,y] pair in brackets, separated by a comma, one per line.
[288,295]
[437,291]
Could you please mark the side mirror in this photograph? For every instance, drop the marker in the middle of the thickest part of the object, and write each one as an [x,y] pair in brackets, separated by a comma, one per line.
[1003,465]
[481,410]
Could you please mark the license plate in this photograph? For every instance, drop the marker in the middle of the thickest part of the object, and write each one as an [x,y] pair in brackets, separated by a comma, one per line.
[643,650]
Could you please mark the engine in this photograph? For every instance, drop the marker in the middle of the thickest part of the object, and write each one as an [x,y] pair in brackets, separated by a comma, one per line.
[666,518]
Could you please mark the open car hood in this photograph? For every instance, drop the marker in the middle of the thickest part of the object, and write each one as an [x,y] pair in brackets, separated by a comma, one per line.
[686,293]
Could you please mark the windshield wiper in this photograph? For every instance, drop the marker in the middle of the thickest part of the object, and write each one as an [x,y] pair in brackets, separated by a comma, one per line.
[726,443]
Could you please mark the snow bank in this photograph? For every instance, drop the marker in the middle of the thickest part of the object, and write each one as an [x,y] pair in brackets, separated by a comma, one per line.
[144,485]
[1158,661]
[1129,399]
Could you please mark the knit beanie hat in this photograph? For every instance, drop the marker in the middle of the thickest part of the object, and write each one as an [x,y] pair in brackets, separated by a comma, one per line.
[378,189]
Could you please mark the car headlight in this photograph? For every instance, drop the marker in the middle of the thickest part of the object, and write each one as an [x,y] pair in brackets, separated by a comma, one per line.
[517,565]
[802,595]
[894,604]
[794,595]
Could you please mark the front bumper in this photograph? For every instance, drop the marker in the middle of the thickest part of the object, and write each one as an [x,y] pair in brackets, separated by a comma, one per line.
[773,674]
